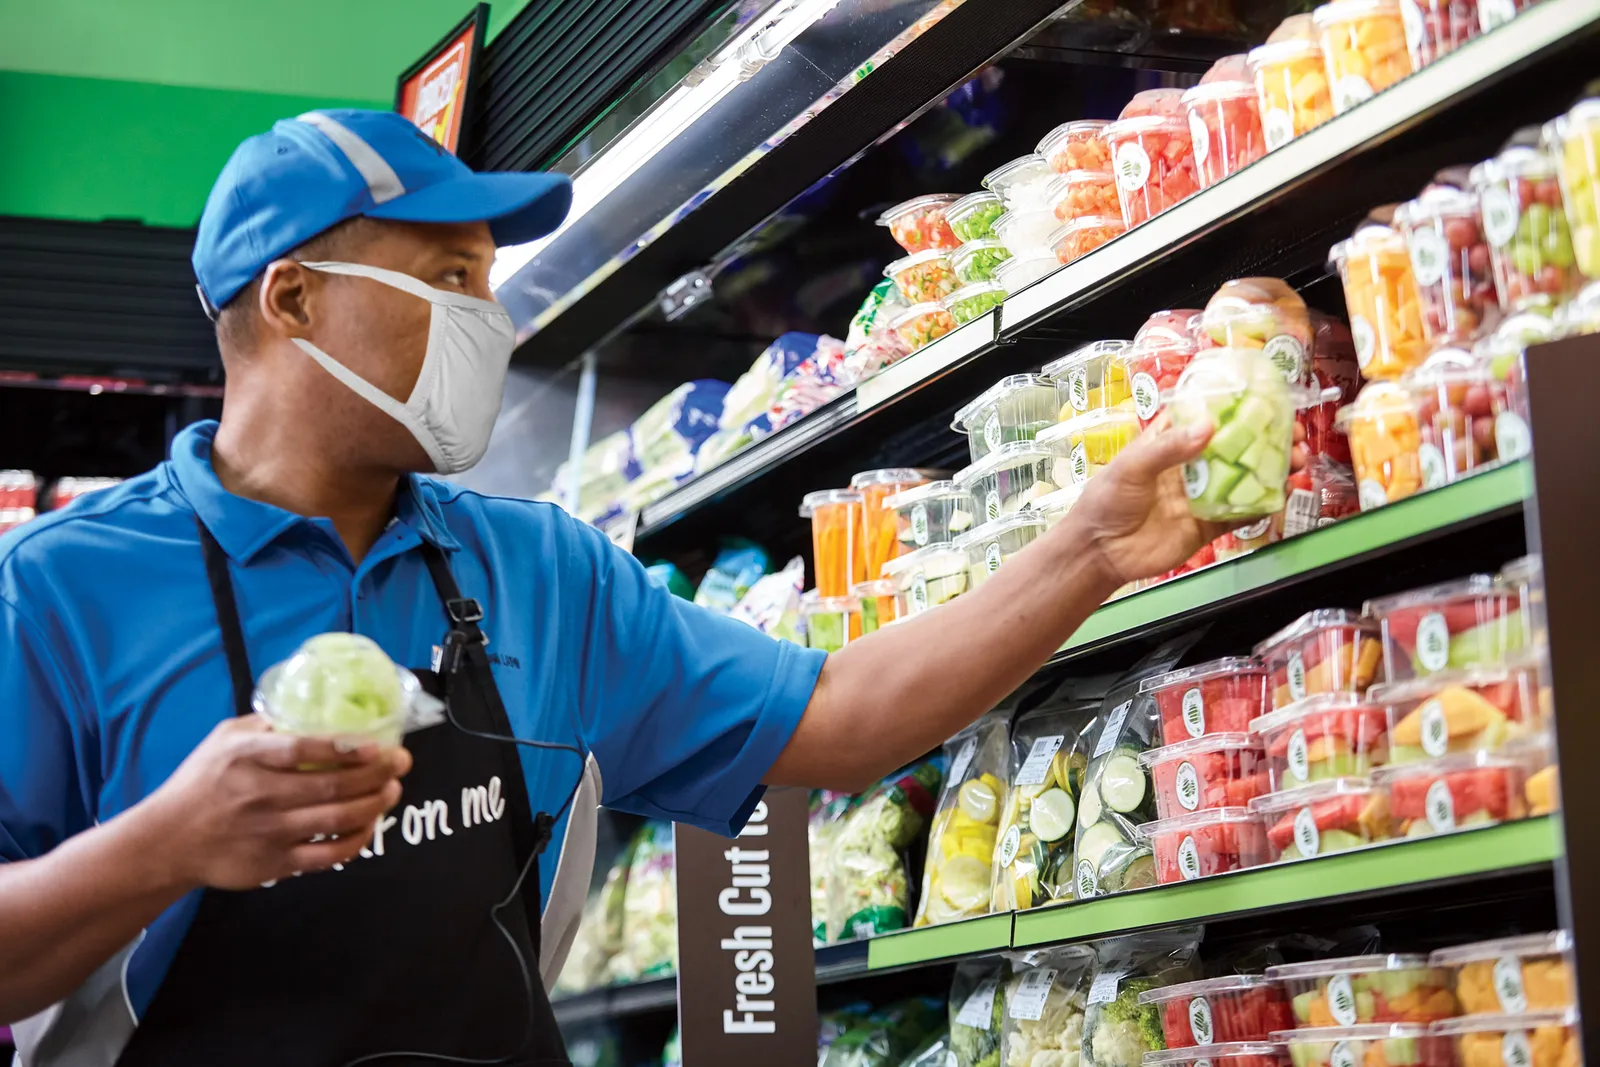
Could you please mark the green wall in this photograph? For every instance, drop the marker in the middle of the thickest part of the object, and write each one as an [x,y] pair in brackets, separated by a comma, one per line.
[127,109]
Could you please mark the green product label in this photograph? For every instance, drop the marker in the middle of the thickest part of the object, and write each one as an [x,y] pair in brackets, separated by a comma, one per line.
[878,919]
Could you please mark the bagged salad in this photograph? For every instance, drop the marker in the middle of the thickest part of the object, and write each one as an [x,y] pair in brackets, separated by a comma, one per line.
[1045,1003]
[961,846]
[649,909]
[977,1012]
[933,1052]
[1117,1029]
[869,882]
[738,566]
[772,604]
[1049,757]
[827,813]
[832,1025]
[887,1035]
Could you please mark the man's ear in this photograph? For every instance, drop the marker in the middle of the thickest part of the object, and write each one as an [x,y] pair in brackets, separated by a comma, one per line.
[285,296]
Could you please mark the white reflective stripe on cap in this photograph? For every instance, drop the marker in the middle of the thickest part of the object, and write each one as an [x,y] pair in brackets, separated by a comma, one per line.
[382,182]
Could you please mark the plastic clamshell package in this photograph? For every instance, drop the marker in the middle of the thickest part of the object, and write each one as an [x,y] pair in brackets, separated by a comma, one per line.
[1245,1054]
[922,324]
[1023,270]
[1021,183]
[926,578]
[930,513]
[1532,972]
[1264,314]
[1386,445]
[1530,1039]
[1233,1009]
[1079,145]
[1325,651]
[1575,141]
[1201,773]
[1058,505]
[1323,818]
[972,217]
[1468,622]
[1386,1044]
[1009,479]
[1291,89]
[882,541]
[923,277]
[1380,291]
[1243,471]
[1086,443]
[1027,232]
[919,224]
[1436,28]
[990,545]
[971,301]
[977,261]
[1154,164]
[1366,989]
[877,603]
[1467,417]
[1015,408]
[1439,796]
[1524,576]
[1089,378]
[1085,234]
[1085,194]
[1153,364]
[831,621]
[838,552]
[1524,217]
[1224,128]
[1450,262]
[1364,48]
[1200,844]
[1221,696]
[1322,736]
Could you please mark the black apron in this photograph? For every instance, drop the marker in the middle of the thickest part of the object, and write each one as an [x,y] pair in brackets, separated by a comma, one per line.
[397,952]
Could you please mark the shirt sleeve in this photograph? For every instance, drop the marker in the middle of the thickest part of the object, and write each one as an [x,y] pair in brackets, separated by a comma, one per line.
[684,710]
[41,803]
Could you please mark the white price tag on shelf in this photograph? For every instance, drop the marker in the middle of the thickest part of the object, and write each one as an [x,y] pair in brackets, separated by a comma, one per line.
[1036,768]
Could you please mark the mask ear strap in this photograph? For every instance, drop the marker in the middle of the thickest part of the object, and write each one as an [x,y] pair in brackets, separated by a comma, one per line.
[375,396]
[415,286]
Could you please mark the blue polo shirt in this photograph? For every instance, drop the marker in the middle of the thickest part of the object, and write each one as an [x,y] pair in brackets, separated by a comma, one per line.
[111,666]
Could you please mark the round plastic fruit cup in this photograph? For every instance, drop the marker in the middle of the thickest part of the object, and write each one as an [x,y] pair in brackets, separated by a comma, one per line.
[972,217]
[1366,989]
[1085,444]
[1327,735]
[1246,1054]
[1234,68]
[1170,326]
[1440,796]
[1224,128]
[1325,651]
[1385,445]
[1221,696]
[922,323]
[1262,313]
[1381,294]
[1077,145]
[930,513]
[1452,712]
[1466,415]
[1450,262]
[882,541]
[1006,480]
[1291,89]
[926,578]
[1202,843]
[1525,220]
[1535,1038]
[838,550]
[1243,470]
[971,301]
[1363,47]
[1436,28]
[831,622]
[1214,771]
[1320,819]
[1085,234]
[918,225]
[1236,1007]
[1015,408]
[1385,1044]
[878,608]
[1084,193]
[1021,183]
[977,261]
[1469,622]
[1511,974]
[1152,366]
[341,687]
[1154,164]
[923,277]
[1576,143]
[990,545]
[1089,378]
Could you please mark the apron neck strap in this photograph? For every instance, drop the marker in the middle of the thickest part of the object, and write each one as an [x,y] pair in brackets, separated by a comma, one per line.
[233,646]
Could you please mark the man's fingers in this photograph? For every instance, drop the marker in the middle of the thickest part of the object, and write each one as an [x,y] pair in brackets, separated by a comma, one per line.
[1163,447]
[343,819]
[302,789]
[321,855]
[283,752]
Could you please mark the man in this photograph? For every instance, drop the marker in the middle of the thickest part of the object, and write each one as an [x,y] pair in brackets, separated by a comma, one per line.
[184,886]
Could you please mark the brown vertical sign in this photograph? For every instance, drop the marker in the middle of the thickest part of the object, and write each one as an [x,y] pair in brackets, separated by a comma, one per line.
[747,980]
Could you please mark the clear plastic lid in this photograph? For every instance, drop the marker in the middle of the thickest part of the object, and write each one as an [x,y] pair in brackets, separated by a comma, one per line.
[1473,585]
[1285,51]
[1437,768]
[1316,1035]
[917,203]
[1063,432]
[876,587]
[1147,124]
[935,560]
[1313,622]
[1552,944]
[1369,237]
[1061,184]
[1087,222]
[1158,102]
[916,259]
[1200,672]
[1067,131]
[1089,353]
[1340,11]
[1020,271]
[1190,821]
[1222,89]
[1024,519]
[967,205]
[1022,171]
[1581,114]
[1012,383]
[1054,505]
[1394,961]
[915,312]
[1518,161]
[1499,1024]
[1437,201]
[1376,399]
[813,603]
[1169,1057]
[1523,569]
[895,476]
[1315,704]
[823,497]
[1412,689]
[1199,746]
[1009,456]
[1300,796]
[1026,228]
[1450,365]
[969,249]
[922,494]
[1229,983]
[970,291]
[1294,26]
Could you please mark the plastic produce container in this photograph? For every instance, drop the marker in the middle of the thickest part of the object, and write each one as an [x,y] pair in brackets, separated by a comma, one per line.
[1581,314]
[923,277]
[1467,417]
[973,301]
[838,552]
[1089,378]
[1079,145]
[1224,128]
[1083,235]
[1027,232]
[1542,790]
[1008,479]
[972,217]
[1170,326]
[976,261]
[926,578]
[1085,193]
[1495,13]
[1058,505]
[1534,1039]
[1364,48]
[1220,697]
[1366,989]
[920,224]
[878,607]
[1243,471]
[1386,445]
[1020,271]
[1449,262]
[1085,443]
[882,541]
[1511,974]
[1202,843]
[1323,818]
[1021,183]
[1324,736]
[1262,313]
[830,621]
[1456,711]
[930,513]
[1247,1054]
[1291,89]
[1437,27]
[990,545]
[1377,1044]
[1439,796]
[1381,293]
[1154,164]
[1214,771]
[921,324]
[1234,1008]
[1575,142]
[1524,577]
[1015,408]
[1469,622]
[1153,364]
[1525,219]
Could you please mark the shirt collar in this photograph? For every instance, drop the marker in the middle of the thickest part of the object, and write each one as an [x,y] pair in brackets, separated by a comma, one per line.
[243,527]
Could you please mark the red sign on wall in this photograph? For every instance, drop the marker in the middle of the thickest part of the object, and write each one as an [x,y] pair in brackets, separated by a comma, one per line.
[434,91]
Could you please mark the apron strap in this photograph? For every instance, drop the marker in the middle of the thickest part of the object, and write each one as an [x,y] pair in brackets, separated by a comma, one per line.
[233,646]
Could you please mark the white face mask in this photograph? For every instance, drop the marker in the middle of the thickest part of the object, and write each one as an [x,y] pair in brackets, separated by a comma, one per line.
[452,408]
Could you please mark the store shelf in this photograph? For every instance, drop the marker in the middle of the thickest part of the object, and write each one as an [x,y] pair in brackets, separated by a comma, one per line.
[988,933]
[1381,868]
[637,998]
[964,343]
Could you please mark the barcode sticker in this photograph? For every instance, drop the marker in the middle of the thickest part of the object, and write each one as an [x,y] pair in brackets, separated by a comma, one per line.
[1036,768]
[978,1009]
[1113,727]
[1103,990]
[1027,1002]
[963,760]
[1301,513]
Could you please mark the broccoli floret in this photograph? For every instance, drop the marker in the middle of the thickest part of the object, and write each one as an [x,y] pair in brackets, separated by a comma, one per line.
[1125,1023]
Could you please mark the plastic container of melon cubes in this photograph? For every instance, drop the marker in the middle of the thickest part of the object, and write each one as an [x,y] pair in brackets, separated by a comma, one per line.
[1511,974]
[1324,736]
[1451,712]
[1327,651]
[1367,989]
[1532,1039]
[1469,622]
[1222,696]
[1244,468]
[1323,818]
[1235,1007]
[1089,378]
[1379,1044]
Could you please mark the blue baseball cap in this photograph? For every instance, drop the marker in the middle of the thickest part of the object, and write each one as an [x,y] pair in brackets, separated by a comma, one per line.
[283,187]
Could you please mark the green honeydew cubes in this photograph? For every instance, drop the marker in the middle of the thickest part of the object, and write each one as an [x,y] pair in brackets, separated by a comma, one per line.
[1244,468]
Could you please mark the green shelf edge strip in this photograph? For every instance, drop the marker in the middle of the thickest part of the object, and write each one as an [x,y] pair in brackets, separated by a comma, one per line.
[936,942]
[1437,509]
[1504,847]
